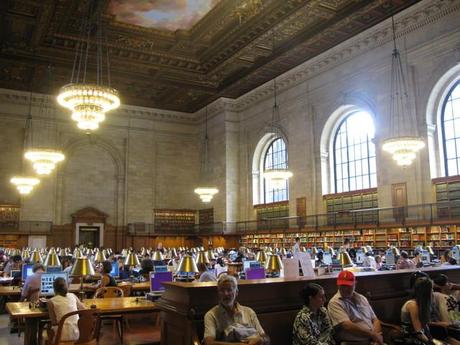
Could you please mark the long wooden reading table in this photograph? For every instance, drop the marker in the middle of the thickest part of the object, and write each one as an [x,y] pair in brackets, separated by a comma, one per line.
[106,306]
[276,301]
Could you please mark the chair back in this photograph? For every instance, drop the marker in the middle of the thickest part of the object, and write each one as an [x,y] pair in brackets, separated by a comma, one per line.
[109,292]
[127,288]
[87,325]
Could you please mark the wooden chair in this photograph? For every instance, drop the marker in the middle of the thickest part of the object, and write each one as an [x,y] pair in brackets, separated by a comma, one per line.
[87,326]
[111,292]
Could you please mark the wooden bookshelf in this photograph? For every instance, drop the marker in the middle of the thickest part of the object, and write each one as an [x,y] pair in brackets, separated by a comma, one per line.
[206,216]
[339,205]
[174,219]
[447,189]
[9,217]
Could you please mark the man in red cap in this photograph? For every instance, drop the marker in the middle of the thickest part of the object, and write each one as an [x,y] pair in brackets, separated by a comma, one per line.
[352,315]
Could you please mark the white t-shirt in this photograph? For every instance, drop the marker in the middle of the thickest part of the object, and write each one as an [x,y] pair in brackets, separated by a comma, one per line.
[62,306]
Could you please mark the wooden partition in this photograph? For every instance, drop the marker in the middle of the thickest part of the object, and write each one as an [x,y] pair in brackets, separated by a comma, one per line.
[276,301]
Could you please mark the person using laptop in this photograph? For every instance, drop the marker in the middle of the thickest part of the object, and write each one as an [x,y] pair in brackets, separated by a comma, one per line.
[31,290]
[61,304]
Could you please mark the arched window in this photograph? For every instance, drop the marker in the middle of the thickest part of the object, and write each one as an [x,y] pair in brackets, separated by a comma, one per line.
[450,121]
[275,157]
[354,153]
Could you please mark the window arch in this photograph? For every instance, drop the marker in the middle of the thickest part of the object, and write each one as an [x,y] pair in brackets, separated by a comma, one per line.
[276,157]
[450,126]
[270,150]
[354,163]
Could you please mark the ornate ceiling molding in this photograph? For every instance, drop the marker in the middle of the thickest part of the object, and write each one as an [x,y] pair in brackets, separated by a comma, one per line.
[413,19]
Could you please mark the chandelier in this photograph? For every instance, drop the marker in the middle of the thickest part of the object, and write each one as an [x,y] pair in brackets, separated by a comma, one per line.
[277,175]
[89,102]
[44,161]
[205,191]
[24,184]
[404,142]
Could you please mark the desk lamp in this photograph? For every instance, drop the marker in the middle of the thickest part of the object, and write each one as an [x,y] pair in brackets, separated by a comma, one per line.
[210,254]
[132,261]
[364,249]
[344,259]
[99,256]
[187,265]
[274,265]
[25,254]
[395,251]
[77,253]
[36,258]
[81,268]
[430,250]
[202,258]
[261,257]
[173,253]
[52,259]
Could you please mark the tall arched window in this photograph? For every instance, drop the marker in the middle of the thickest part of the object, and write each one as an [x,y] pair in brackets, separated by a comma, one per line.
[354,153]
[450,120]
[275,157]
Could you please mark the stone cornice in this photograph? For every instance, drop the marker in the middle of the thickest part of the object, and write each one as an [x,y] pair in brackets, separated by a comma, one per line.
[414,18]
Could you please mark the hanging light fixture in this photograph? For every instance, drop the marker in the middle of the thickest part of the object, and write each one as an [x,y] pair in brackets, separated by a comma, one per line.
[206,192]
[277,175]
[404,143]
[25,184]
[43,158]
[89,102]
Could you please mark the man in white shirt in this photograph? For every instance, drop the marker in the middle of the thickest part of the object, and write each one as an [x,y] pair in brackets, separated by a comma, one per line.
[231,322]
[296,248]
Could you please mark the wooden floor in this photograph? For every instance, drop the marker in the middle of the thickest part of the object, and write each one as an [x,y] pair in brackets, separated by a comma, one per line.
[141,330]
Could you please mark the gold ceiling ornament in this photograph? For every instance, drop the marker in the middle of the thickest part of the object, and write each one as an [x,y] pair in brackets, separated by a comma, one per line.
[404,143]
[90,101]
[278,174]
[247,9]
[206,191]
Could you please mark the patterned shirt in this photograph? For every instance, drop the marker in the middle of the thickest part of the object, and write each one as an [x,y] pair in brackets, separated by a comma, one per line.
[312,328]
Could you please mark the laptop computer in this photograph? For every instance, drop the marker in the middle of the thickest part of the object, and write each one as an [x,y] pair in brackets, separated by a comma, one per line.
[53,269]
[156,278]
[47,280]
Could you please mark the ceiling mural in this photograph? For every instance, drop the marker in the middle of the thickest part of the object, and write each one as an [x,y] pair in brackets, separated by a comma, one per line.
[180,54]
[161,14]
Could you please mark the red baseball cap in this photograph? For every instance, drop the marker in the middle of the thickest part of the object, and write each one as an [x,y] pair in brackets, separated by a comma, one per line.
[346,278]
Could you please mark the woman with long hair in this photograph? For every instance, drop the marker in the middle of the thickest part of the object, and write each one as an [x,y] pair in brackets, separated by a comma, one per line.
[312,325]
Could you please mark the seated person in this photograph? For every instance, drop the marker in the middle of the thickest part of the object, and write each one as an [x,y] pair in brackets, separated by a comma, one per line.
[31,288]
[205,274]
[319,259]
[312,325]
[146,267]
[14,263]
[447,304]
[106,278]
[404,261]
[231,322]
[378,262]
[369,260]
[417,314]
[351,314]
[61,304]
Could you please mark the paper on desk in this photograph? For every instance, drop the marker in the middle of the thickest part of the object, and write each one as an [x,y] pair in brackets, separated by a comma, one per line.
[291,268]
[305,263]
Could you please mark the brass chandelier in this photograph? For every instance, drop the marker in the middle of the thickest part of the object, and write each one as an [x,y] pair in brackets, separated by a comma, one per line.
[90,101]
[404,142]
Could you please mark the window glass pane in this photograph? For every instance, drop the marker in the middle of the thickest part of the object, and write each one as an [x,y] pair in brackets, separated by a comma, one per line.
[448,111]
[452,167]
[275,158]
[354,141]
[448,130]
[451,130]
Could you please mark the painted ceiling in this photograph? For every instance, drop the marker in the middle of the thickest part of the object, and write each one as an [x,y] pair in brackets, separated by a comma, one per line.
[161,14]
[176,54]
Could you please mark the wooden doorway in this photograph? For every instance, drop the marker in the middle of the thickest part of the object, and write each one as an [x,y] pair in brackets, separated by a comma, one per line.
[399,201]
[89,236]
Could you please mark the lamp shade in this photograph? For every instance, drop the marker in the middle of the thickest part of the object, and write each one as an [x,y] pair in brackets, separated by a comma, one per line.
[52,259]
[283,251]
[157,256]
[25,254]
[430,250]
[274,263]
[36,257]
[173,253]
[314,250]
[99,256]
[261,256]
[187,265]
[344,259]
[211,255]
[82,267]
[395,251]
[77,253]
[132,260]
[202,258]
[364,249]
